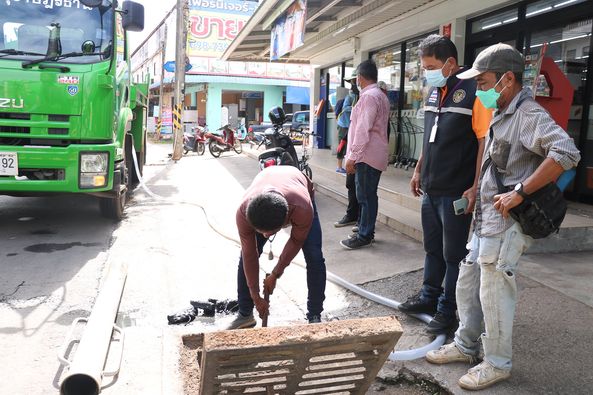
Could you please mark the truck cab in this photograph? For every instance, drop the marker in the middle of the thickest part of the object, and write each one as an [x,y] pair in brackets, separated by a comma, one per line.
[70,115]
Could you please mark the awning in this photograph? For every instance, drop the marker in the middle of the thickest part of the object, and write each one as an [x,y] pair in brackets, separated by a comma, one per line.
[297,95]
[329,23]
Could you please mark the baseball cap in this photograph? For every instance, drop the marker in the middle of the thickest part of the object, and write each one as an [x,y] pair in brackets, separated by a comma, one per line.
[496,58]
[352,76]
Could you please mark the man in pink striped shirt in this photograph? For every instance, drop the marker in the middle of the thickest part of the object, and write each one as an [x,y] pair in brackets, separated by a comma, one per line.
[367,152]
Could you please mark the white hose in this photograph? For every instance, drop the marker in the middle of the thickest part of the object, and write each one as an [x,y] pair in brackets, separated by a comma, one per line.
[406,355]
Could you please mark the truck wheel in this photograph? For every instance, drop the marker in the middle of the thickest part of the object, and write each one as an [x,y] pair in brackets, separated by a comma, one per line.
[114,207]
[238,147]
[213,148]
[200,148]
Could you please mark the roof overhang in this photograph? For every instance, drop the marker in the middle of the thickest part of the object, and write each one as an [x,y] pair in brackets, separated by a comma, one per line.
[328,23]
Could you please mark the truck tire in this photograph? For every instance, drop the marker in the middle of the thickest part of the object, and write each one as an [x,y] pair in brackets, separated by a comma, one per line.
[114,207]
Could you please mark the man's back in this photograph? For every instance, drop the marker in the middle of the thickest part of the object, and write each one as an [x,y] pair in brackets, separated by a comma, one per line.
[370,117]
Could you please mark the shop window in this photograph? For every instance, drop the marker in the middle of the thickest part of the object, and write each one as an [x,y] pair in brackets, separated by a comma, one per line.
[389,66]
[544,6]
[497,20]
[415,87]
[335,80]
[564,44]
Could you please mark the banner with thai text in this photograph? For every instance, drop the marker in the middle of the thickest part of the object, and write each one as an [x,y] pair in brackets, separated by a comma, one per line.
[214,24]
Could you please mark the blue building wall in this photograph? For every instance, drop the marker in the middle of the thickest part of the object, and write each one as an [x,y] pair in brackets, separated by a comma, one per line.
[273,96]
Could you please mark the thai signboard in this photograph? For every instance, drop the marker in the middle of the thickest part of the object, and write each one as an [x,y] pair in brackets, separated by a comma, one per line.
[214,24]
[282,71]
[288,31]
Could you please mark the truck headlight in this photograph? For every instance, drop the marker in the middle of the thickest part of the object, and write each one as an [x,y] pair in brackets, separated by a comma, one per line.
[94,163]
[93,169]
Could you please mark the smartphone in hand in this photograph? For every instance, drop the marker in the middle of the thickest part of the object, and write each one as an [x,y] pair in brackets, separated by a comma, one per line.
[460,205]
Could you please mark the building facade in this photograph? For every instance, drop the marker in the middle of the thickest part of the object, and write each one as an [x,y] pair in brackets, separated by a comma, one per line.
[216,92]
[390,32]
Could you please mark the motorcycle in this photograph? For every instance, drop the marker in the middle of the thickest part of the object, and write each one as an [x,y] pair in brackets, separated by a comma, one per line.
[223,141]
[281,147]
[195,141]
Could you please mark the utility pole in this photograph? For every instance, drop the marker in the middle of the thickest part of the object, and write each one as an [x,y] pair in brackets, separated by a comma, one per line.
[161,88]
[180,60]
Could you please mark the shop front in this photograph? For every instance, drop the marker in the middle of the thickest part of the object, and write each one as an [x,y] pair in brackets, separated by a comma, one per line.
[565,29]
[389,33]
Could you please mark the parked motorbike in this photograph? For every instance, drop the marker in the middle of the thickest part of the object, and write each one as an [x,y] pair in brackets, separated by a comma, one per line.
[281,147]
[223,141]
[195,141]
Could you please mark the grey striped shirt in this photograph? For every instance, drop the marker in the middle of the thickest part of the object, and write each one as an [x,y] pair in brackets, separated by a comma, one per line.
[523,138]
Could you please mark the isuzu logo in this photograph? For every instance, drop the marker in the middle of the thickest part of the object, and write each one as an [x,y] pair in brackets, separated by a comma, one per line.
[11,103]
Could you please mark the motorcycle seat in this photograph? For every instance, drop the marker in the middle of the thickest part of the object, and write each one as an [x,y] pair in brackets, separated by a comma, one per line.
[270,153]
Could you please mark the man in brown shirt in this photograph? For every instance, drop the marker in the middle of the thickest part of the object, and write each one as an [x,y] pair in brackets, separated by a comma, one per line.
[278,197]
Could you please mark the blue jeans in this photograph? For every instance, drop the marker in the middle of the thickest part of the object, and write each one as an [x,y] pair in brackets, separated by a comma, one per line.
[316,273]
[445,239]
[367,182]
[487,294]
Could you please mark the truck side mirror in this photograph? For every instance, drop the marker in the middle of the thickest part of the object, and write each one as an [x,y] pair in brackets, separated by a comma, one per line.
[133,16]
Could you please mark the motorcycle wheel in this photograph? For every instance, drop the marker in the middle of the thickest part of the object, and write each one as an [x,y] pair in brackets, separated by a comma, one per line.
[238,147]
[185,151]
[308,172]
[214,150]
[200,148]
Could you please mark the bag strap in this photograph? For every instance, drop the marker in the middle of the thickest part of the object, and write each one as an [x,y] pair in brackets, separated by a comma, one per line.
[489,162]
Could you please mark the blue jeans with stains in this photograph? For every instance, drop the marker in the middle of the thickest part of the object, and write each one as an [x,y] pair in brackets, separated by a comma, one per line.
[487,294]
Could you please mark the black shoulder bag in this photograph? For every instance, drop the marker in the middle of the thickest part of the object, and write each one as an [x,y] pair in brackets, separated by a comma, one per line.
[542,212]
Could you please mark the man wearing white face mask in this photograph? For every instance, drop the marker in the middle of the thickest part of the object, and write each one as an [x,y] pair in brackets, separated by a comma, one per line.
[455,124]
[529,151]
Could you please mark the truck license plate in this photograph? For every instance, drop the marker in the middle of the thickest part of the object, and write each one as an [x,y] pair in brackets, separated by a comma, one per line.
[9,164]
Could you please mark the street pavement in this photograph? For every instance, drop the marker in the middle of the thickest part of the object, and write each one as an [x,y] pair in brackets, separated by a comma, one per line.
[54,251]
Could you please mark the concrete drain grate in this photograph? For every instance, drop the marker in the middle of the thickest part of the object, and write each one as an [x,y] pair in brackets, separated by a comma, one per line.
[338,357]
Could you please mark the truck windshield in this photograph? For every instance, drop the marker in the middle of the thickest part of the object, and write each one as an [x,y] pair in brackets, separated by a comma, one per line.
[27,25]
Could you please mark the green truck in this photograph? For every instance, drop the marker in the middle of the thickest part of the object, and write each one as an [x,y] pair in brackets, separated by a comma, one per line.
[70,114]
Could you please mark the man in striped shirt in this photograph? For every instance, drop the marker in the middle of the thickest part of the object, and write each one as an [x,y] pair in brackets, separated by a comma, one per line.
[530,150]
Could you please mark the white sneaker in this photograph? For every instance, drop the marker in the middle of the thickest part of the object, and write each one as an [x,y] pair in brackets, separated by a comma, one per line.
[482,376]
[447,354]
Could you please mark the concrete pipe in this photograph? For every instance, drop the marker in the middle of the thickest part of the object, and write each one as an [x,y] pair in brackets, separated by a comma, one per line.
[85,372]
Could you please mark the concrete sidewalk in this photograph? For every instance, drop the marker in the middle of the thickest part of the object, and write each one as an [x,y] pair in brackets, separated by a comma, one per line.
[552,340]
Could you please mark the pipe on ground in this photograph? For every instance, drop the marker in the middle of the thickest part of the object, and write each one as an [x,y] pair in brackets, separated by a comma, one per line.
[404,355]
[86,370]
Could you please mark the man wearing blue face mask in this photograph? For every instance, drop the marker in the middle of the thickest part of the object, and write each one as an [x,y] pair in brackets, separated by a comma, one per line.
[530,151]
[455,124]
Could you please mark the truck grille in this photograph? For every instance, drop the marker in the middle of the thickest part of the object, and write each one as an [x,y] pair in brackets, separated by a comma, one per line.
[15,115]
[15,129]
[39,125]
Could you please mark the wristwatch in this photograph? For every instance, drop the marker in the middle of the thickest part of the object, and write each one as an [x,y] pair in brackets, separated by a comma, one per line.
[519,190]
